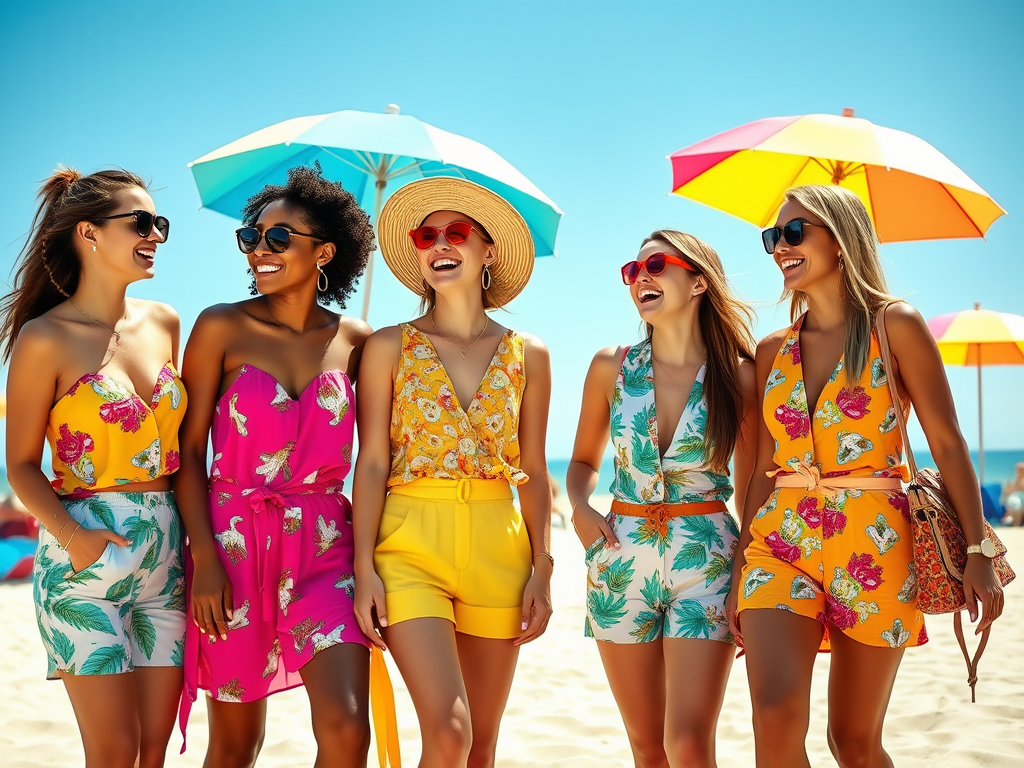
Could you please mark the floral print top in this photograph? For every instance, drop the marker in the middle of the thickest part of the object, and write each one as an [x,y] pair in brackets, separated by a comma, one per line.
[102,434]
[641,475]
[433,436]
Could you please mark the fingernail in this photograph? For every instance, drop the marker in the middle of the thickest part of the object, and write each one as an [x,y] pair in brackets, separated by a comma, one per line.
[617,545]
[523,625]
[384,622]
[223,637]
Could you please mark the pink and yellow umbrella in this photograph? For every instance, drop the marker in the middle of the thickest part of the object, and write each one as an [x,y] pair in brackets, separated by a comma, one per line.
[979,337]
[911,190]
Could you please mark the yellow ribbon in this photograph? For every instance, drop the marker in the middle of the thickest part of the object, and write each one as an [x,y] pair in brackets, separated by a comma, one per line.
[382,705]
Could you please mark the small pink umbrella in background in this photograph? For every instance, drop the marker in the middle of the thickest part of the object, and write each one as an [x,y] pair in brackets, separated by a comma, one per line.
[979,337]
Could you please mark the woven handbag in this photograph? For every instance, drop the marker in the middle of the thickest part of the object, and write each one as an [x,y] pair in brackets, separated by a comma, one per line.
[940,547]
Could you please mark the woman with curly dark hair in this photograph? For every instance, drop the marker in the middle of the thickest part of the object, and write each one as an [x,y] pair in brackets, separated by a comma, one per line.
[269,528]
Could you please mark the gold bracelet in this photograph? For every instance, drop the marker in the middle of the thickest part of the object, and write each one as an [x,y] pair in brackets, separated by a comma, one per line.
[65,547]
[57,537]
[545,554]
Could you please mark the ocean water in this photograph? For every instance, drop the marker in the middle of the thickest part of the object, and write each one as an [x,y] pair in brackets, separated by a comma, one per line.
[999,467]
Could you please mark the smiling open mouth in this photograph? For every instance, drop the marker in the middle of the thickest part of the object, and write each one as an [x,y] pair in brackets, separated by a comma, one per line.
[788,264]
[267,269]
[648,294]
[445,265]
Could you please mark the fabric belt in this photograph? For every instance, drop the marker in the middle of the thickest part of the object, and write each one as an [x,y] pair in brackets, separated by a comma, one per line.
[665,512]
[810,479]
[462,491]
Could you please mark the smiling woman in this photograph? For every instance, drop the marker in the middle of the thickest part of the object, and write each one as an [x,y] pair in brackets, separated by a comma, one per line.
[108,576]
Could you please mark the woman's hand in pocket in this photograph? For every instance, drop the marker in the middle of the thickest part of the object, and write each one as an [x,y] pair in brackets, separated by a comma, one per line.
[87,545]
[590,526]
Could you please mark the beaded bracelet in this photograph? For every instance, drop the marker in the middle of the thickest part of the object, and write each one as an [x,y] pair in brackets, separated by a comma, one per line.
[547,555]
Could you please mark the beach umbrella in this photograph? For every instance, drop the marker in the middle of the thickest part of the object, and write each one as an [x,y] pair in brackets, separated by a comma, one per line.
[371,155]
[979,337]
[911,190]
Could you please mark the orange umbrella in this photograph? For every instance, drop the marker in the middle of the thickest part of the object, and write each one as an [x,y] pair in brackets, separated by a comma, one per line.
[911,190]
[979,337]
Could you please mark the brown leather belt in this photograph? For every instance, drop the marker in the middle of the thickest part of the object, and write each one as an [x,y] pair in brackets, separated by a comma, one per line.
[666,511]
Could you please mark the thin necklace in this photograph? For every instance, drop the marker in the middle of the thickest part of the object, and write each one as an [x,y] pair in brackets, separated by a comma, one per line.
[117,334]
[663,368]
[279,324]
[461,350]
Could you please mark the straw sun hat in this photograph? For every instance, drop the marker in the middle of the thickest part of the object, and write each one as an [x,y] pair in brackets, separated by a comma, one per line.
[411,204]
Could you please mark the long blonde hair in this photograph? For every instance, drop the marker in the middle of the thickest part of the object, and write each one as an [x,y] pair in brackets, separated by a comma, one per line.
[726,324]
[863,278]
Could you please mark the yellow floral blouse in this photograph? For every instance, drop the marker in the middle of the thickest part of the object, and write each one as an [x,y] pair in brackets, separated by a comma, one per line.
[431,434]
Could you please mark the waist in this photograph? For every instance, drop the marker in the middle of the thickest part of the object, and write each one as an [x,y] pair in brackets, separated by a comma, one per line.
[327,487]
[464,490]
[811,480]
[654,511]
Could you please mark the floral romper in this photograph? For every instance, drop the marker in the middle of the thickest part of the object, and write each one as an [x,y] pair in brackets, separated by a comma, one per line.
[841,556]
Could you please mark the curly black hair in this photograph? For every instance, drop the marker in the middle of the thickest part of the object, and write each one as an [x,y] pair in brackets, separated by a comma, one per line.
[333,215]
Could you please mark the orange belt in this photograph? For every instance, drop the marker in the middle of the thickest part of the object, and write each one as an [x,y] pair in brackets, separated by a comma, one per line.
[665,511]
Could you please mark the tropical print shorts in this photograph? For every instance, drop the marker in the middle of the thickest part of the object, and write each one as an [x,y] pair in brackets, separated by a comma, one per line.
[669,579]
[127,609]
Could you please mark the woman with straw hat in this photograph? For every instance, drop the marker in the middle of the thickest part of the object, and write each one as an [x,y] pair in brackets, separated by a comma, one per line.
[452,412]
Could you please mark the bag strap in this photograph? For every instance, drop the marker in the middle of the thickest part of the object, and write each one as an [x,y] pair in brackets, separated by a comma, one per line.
[972,664]
[890,375]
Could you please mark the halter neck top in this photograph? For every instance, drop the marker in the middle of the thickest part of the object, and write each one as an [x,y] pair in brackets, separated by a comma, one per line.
[432,435]
[641,475]
[102,434]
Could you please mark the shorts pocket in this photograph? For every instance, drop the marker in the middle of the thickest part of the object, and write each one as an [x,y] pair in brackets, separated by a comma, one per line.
[395,519]
[597,545]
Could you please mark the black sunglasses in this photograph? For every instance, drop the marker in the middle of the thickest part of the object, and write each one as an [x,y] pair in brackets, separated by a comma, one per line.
[144,223]
[793,231]
[278,238]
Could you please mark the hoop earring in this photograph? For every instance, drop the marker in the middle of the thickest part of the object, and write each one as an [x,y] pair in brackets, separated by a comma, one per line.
[322,289]
[485,279]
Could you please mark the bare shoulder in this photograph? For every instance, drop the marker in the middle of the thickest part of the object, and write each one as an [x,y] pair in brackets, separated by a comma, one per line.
[902,319]
[41,336]
[533,345]
[770,345]
[384,341]
[353,330]
[220,320]
[157,312]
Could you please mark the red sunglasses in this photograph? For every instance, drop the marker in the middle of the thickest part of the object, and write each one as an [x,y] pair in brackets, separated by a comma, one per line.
[655,264]
[456,233]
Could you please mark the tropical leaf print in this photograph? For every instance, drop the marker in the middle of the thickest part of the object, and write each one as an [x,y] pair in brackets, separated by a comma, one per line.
[618,575]
[62,646]
[689,447]
[616,426]
[143,632]
[693,620]
[121,589]
[605,609]
[108,660]
[636,382]
[624,480]
[645,455]
[649,626]
[701,529]
[655,594]
[691,555]
[718,567]
[81,615]
[851,447]
[696,396]
[152,558]
[653,531]
[828,415]
[178,655]
[102,512]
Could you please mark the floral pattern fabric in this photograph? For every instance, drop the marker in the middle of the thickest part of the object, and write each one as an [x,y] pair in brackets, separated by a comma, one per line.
[671,576]
[845,557]
[127,609]
[432,435]
[102,434]
[283,530]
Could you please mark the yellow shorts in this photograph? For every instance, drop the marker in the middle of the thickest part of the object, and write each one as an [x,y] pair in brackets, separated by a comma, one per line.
[455,550]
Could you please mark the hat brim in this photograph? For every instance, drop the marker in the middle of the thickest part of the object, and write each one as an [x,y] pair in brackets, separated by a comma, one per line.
[411,204]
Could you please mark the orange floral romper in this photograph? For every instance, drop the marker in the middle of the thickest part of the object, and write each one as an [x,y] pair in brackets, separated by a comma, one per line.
[843,556]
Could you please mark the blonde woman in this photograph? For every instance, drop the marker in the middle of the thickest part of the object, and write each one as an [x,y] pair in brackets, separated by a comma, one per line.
[827,559]
[676,406]
[452,412]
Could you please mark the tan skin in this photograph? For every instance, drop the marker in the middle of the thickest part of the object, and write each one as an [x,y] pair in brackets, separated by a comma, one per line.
[665,723]
[125,719]
[781,646]
[461,693]
[287,334]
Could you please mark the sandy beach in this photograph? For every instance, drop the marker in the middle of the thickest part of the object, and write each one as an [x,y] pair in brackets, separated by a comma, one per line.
[561,712]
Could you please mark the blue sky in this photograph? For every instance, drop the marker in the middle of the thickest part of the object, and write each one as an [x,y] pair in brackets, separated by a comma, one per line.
[586,98]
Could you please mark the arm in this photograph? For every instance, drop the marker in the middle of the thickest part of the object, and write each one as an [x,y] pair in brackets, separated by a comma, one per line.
[374,399]
[588,450]
[759,485]
[535,494]
[745,453]
[212,601]
[30,393]
[918,366]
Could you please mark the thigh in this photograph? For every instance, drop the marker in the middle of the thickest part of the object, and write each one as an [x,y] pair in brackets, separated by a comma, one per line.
[158,690]
[488,666]
[860,683]
[636,675]
[106,707]
[426,653]
[780,649]
[338,678]
[695,667]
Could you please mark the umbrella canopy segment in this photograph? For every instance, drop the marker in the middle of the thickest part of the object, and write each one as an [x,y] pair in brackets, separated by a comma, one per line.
[979,337]
[371,155]
[911,190]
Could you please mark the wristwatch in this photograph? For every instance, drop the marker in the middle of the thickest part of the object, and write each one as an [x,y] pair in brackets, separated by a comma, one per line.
[986,548]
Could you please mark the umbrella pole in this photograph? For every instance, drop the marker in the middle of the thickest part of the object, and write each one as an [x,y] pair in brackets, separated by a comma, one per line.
[981,443]
[382,181]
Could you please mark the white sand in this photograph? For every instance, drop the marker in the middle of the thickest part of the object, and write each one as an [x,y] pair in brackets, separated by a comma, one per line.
[561,711]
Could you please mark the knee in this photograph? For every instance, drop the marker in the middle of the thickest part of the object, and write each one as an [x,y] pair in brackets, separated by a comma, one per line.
[779,717]
[346,726]
[450,742]
[236,750]
[689,747]
[118,749]
[853,747]
[649,750]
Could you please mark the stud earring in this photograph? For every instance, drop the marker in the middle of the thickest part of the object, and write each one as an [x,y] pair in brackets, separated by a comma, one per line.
[485,279]
[842,264]
[94,249]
